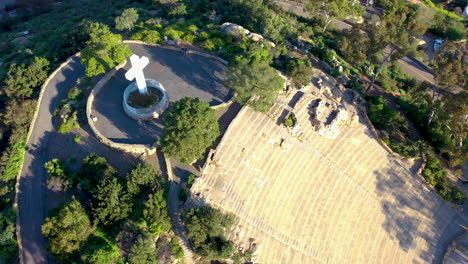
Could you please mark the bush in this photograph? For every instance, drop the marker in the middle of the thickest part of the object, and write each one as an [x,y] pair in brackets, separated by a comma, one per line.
[148,36]
[436,176]
[172,33]
[299,70]
[212,44]
[99,249]
[191,179]
[176,249]
[8,244]
[77,138]
[290,121]
[69,123]
[143,251]
[12,160]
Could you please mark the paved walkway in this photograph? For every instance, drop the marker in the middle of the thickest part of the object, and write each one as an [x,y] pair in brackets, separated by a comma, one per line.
[181,75]
[32,187]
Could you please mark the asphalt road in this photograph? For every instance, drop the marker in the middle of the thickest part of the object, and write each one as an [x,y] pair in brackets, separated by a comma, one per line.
[409,64]
[32,195]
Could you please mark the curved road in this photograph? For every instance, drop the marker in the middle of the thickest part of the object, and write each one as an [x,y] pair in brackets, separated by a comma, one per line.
[32,208]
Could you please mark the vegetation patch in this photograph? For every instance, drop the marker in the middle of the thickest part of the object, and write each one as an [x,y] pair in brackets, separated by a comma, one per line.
[139,100]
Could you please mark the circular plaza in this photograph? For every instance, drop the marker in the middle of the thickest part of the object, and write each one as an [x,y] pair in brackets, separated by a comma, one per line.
[180,74]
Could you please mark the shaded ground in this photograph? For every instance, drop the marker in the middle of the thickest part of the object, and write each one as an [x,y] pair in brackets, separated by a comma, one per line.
[181,75]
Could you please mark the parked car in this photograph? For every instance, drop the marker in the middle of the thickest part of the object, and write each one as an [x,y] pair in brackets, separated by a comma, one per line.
[437,44]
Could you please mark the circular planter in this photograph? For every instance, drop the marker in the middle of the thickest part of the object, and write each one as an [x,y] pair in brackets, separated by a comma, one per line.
[150,112]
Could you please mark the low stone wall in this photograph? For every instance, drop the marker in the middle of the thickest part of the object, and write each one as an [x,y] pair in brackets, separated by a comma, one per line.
[131,148]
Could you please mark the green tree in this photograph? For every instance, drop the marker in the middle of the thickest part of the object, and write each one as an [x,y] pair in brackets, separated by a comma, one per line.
[57,173]
[103,51]
[68,229]
[300,71]
[256,84]
[99,249]
[8,244]
[178,10]
[18,114]
[191,127]
[22,79]
[142,175]
[156,215]
[127,19]
[111,202]
[331,9]
[143,251]
[207,229]
[94,170]
[451,72]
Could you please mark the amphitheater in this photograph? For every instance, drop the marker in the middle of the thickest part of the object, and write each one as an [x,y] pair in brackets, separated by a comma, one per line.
[308,198]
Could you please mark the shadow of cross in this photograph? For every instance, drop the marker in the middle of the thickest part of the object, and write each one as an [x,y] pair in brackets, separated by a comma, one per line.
[136,72]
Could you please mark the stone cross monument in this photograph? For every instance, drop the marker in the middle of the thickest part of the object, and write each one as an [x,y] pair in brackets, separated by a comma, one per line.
[136,72]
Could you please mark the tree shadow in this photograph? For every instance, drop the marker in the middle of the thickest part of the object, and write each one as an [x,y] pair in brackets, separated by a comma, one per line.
[185,75]
[413,213]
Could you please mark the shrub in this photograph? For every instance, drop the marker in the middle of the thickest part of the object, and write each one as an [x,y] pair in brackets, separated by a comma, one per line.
[69,123]
[436,176]
[99,249]
[176,249]
[148,36]
[203,36]
[189,38]
[12,160]
[8,244]
[191,179]
[299,70]
[172,33]
[77,138]
[290,120]
[212,44]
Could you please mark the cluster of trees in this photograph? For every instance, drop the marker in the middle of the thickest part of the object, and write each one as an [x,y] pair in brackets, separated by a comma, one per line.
[86,230]
[190,128]
[207,229]
[255,82]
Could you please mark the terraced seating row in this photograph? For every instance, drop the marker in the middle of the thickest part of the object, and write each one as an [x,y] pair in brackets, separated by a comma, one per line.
[320,200]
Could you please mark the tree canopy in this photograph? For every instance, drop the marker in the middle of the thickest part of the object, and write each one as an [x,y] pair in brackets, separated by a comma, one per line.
[103,51]
[330,9]
[451,71]
[207,229]
[143,251]
[191,127]
[255,82]
[68,229]
[22,79]
[126,20]
[111,202]
[385,41]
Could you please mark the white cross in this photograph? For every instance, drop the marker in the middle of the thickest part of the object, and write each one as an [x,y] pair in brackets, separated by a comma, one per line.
[136,72]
